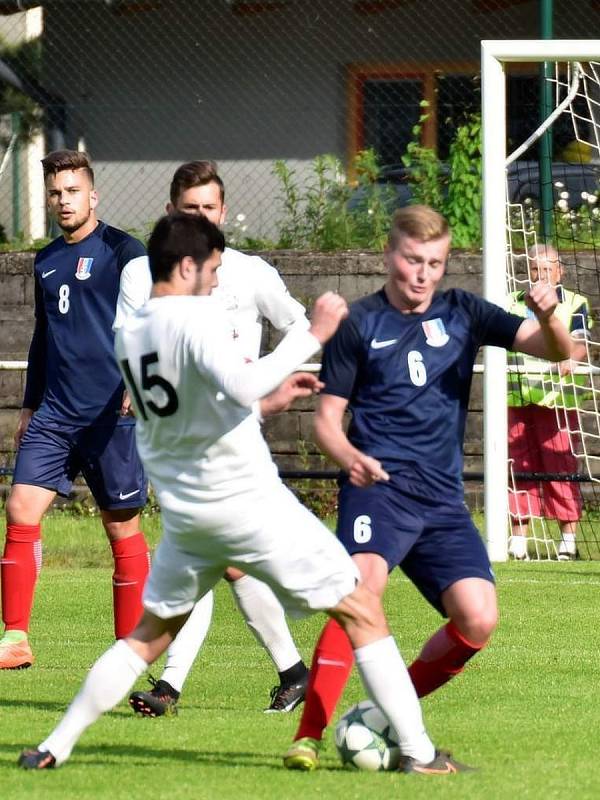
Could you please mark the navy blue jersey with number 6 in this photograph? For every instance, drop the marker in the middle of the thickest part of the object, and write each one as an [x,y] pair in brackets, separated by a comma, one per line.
[72,374]
[407,379]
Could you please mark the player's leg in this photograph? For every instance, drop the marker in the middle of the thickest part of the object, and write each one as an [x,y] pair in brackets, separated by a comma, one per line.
[108,681]
[113,471]
[177,579]
[20,568]
[308,569]
[450,566]
[368,521]
[525,500]
[266,619]
[387,682]
[264,616]
[181,654]
[333,658]
[562,499]
[43,468]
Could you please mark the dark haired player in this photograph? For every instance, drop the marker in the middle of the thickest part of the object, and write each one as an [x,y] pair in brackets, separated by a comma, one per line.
[75,413]
[401,363]
[222,501]
[251,291]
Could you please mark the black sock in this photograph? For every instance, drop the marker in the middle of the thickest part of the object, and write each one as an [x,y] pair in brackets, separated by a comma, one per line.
[294,674]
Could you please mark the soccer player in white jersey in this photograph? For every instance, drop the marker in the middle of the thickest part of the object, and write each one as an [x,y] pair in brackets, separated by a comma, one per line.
[252,291]
[221,499]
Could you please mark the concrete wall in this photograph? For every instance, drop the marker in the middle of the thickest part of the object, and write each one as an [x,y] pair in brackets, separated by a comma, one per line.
[352,274]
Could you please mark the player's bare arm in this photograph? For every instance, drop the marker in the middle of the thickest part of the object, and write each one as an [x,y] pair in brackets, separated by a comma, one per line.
[300,384]
[545,336]
[362,469]
[22,425]
[579,353]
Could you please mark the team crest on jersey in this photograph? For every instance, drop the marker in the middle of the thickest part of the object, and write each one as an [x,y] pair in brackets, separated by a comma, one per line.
[435,332]
[84,269]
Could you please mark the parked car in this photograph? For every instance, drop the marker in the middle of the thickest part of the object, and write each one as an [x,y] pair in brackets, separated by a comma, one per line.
[578,180]
[523,184]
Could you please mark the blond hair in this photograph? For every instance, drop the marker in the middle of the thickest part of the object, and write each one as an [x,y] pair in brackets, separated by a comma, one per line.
[418,222]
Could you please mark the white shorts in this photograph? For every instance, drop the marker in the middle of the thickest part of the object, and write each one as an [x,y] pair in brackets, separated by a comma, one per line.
[269,535]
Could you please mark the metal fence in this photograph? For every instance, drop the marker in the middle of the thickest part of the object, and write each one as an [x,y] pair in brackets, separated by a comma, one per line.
[144,85]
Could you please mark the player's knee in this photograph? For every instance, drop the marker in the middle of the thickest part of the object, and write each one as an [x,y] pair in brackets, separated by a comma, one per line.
[19,511]
[477,624]
[368,609]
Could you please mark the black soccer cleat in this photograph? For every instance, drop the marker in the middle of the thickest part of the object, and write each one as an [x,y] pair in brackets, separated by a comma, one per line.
[285,698]
[36,759]
[160,701]
[442,764]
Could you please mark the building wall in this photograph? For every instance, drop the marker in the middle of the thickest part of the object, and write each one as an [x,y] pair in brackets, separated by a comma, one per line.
[182,80]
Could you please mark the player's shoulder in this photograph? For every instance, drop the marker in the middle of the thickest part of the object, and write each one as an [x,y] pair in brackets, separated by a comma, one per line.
[52,249]
[123,244]
[245,262]
[461,299]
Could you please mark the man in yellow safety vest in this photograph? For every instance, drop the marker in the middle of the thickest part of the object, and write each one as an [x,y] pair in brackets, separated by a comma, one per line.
[542,416]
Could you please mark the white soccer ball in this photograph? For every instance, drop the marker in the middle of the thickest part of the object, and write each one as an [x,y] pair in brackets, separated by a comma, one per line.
[365,739]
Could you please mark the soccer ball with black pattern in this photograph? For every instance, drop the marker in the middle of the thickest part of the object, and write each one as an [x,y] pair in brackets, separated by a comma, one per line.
[365,739]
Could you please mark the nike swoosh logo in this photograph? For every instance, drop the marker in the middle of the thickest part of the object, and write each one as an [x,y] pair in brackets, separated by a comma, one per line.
[377,345]
[128,495]
[45,274]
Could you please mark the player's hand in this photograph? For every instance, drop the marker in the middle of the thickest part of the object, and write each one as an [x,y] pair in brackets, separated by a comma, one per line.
[22,425]
[300,384]
[566,367]
[126,407]
[542,300]
[365,471]
[329,310]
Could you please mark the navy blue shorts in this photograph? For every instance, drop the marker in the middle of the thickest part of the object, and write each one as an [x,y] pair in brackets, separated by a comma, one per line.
[435,545]
[52,454]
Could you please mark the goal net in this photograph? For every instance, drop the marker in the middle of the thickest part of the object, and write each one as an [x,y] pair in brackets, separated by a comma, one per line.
[542,222]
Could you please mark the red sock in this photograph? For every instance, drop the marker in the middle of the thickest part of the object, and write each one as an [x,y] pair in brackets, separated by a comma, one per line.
[132,564]
[442,657]
[331,665]
[21,564]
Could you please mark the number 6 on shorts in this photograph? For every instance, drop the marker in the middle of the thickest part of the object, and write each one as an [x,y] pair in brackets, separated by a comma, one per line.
[362,530]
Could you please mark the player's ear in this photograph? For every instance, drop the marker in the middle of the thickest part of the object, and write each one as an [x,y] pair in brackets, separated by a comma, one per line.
[170,208]
[187,267]
[93,198]
[223,214]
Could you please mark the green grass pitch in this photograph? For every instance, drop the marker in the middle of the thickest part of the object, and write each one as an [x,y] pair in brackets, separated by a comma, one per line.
[525,712]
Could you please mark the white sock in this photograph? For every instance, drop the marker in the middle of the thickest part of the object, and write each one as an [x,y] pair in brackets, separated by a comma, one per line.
[108,681]
[185,646]
[386,679]
[567,544]
[266,619]
[518,546]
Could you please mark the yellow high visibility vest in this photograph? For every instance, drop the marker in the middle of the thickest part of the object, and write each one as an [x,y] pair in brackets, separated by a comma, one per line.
[531,384]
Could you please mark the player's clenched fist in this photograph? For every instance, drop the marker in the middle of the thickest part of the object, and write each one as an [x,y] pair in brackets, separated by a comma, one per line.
[542,300]
[329,310]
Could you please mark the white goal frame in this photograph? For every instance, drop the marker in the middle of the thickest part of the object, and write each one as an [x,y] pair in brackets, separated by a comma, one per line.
[494,55]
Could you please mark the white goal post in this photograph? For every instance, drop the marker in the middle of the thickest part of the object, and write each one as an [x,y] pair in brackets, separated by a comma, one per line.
[494,56]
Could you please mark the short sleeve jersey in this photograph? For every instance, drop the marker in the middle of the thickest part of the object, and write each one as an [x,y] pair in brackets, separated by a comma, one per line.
[76,291]
[407,379]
